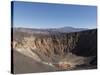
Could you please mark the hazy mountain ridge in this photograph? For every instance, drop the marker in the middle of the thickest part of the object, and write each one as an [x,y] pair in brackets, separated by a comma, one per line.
[53,30]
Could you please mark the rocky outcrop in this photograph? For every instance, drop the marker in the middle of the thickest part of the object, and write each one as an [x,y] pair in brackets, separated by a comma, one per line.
[77,47]
[87,44]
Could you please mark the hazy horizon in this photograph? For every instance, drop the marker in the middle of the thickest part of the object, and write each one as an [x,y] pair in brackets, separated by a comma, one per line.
[54,28]
[48,15]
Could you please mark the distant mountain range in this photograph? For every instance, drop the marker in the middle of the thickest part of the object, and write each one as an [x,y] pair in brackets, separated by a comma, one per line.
[68,29]
[50,30]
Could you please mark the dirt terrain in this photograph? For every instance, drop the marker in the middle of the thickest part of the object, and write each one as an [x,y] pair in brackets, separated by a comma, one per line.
[47,51]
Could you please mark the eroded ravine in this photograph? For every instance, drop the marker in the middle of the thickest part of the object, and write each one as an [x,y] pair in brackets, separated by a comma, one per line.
[59,50]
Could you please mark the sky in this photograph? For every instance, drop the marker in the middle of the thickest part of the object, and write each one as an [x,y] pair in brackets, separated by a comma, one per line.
[46,15]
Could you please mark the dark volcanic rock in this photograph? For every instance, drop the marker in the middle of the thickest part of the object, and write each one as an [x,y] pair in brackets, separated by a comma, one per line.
[87,43]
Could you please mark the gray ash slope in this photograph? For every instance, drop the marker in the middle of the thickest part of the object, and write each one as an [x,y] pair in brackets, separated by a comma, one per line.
[78,48]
